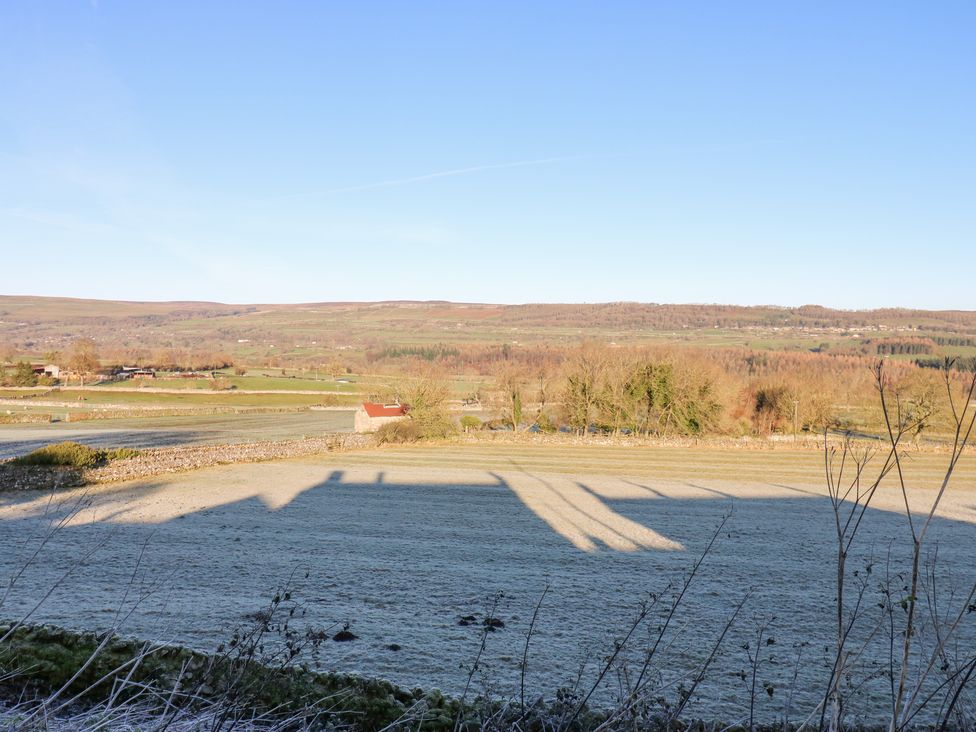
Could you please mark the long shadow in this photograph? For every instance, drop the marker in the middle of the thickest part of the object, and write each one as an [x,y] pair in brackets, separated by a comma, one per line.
[581,516]
[653,491]
[561,520]
[713,491]
[577,517]
[82,495]
[656,542]
[797,490]
[403,561]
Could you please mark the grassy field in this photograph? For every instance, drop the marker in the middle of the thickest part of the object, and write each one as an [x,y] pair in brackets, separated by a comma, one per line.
[147,431]
[744,465]
[248,382]
[99,396]
[296,380]
[402,543]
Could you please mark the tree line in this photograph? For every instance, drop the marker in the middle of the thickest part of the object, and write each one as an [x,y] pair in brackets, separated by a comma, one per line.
[689,392]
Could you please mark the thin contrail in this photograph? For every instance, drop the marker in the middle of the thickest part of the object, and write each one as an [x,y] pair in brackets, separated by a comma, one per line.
[431,176]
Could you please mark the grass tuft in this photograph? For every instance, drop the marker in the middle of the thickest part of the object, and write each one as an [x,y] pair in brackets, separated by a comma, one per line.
[74,455]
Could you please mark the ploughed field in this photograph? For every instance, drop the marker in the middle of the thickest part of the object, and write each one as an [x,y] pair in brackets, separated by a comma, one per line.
[402,544]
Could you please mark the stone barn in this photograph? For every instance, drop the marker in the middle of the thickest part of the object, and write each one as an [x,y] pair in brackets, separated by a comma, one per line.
[371,416]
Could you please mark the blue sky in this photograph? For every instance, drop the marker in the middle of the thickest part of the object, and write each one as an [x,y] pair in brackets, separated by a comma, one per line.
[749,152]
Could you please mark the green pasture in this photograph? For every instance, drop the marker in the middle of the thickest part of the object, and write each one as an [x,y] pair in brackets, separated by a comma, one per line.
[99,396]
[248,382]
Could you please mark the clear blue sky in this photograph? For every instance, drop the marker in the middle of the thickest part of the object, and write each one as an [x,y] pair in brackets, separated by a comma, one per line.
[734,152]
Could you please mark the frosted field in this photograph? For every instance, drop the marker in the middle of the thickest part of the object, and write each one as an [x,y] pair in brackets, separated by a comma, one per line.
[403,543]
[148,432]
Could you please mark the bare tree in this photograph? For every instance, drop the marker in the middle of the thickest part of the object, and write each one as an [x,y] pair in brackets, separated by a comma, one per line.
[851,492]
[84,358]
[583,382]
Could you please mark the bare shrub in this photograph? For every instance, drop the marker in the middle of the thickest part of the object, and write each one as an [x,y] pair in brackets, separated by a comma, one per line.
[914,662]
[401,431]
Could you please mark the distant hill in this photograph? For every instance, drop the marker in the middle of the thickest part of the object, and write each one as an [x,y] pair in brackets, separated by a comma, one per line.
[41,324]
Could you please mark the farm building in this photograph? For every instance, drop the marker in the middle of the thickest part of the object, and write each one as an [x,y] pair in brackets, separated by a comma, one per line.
[134,372]
[50,369]
[371,416]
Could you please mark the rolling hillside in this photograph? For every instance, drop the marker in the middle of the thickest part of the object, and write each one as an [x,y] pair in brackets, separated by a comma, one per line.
[39,324]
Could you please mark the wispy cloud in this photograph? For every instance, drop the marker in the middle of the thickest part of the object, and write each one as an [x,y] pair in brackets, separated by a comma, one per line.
[60,221]
[429,176]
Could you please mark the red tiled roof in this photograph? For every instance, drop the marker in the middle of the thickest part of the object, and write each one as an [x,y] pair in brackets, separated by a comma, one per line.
[383,410]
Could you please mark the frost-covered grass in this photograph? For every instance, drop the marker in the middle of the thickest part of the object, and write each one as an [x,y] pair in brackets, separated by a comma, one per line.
[403,542]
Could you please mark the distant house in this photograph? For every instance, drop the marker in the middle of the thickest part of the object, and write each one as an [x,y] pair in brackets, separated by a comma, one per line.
[371,416]
[134,372]
[50,369]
